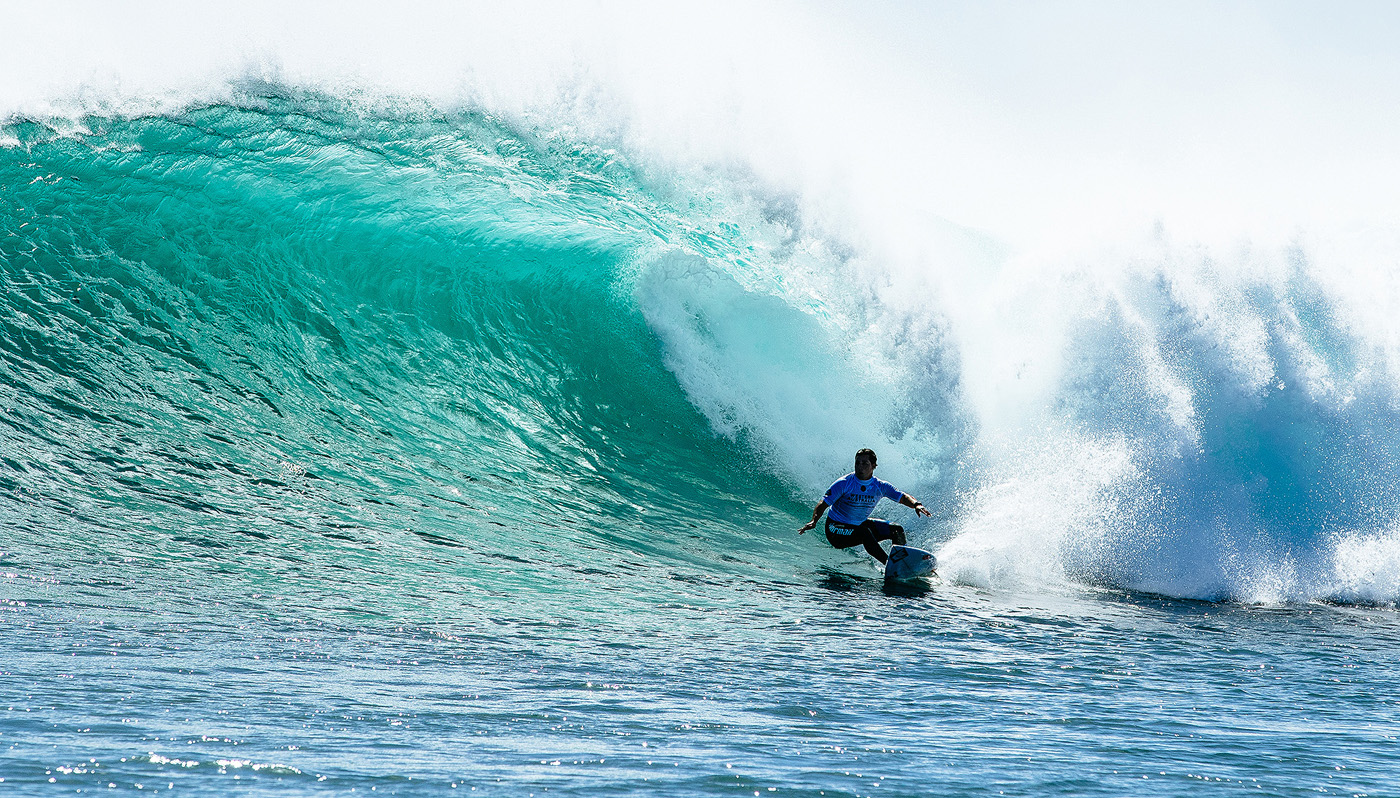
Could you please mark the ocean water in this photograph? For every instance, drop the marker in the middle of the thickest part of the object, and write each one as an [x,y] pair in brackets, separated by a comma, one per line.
[373,446]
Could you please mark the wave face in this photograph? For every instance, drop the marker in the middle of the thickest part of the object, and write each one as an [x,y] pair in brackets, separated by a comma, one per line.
[286,324]
[291,335]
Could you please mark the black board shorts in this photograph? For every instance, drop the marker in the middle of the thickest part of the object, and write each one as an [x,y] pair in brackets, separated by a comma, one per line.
[844,536]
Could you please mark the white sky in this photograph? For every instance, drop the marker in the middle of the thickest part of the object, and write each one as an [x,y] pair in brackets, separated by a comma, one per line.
[1029,119]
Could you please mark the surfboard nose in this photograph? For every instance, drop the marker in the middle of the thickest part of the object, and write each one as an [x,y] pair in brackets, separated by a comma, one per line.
[907,562]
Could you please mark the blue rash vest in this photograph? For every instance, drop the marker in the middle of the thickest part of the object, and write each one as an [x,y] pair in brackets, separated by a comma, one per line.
[852,501]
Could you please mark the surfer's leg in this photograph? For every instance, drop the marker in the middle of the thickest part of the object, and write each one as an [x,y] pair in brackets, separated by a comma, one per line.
[875,530]
[860,536]
[873,548]
[845,541]
[884,530]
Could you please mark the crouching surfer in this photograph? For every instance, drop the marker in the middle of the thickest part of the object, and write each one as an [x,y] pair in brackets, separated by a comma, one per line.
[851,499]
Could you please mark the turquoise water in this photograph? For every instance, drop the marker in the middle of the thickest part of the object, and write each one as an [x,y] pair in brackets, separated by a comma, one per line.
[379,447]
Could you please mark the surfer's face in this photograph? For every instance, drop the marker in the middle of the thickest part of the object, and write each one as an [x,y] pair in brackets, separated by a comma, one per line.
[865,467]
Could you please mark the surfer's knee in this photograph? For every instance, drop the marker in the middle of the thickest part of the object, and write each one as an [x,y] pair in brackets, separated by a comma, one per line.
[897,534]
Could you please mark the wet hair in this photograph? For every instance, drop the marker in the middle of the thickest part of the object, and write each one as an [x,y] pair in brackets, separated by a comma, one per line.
[873,459]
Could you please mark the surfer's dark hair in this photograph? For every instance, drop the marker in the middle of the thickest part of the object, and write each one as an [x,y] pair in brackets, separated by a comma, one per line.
[873,459]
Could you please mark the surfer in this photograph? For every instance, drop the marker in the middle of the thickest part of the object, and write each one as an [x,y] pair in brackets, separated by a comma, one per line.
[851,499]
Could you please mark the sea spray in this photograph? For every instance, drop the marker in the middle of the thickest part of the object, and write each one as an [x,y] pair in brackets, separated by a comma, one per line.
[1249,423]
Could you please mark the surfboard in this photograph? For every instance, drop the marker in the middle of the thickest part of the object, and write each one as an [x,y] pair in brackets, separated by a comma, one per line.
[907,562]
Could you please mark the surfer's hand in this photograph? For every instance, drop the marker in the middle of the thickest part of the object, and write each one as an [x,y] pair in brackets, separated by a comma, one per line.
[806,527]
[920,509]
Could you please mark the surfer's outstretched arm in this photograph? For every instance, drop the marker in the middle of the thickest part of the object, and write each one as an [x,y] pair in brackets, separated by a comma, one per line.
[816,516]
[914,504]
